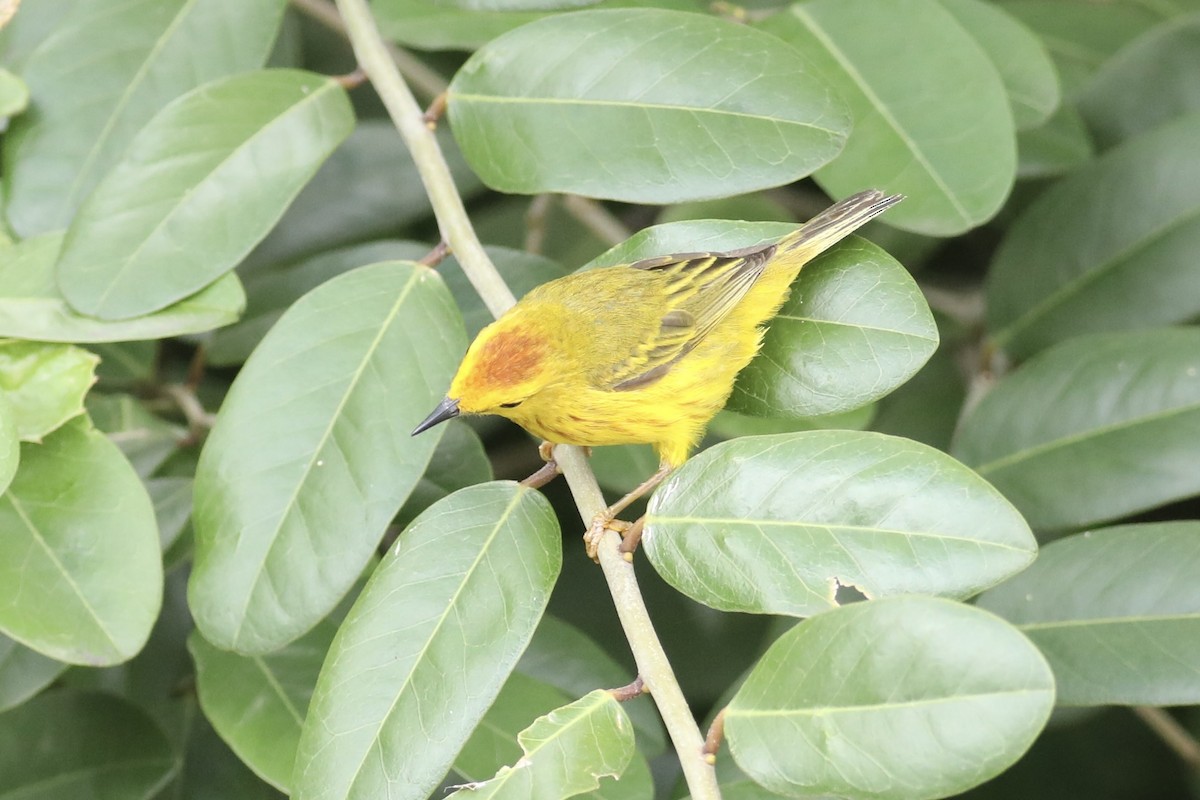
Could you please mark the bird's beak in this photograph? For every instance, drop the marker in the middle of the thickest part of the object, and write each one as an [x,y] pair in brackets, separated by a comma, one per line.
[447,409]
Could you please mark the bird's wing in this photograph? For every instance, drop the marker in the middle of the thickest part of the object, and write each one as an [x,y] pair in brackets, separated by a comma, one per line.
[700,290]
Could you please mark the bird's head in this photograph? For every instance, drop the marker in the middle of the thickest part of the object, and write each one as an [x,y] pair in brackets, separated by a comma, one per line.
[510,361]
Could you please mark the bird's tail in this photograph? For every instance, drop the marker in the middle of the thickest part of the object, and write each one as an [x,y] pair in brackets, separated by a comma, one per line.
[836,222]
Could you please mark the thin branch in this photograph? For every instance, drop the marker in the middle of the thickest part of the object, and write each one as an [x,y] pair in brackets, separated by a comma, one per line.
[424,80]
[456,229]
[596,218]
[1175,735]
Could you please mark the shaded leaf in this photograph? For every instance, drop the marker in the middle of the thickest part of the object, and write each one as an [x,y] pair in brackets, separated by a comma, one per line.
[906,698]
[82,744]
[1152,80]
[80,572]
[44,384]
[10,443]
[126,364]
[775,524]
[629,113]
[514,5]
[172,499]
[521,271]
[257,703]
[565,752]
[145,439]
[855,327]
[210,770]
[23,673]
[105,71]
[1024,65]
[1059,146]
[458,462]
[432,637]
[270,292]
[1092,429]
[200,185]
[955,160]
[1116,613]
[312,456]
[14,94]
[32,307]
[1109,248]
[426,26]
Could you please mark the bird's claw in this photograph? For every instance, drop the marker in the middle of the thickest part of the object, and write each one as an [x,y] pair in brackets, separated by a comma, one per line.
[601,523]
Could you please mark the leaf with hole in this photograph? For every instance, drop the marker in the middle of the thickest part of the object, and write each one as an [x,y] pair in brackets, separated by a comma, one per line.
[776,524]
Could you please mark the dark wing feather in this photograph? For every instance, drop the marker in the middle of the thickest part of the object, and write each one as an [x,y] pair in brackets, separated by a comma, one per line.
[701,289]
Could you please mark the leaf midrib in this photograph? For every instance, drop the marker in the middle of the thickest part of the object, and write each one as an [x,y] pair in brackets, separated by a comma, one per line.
[821,711]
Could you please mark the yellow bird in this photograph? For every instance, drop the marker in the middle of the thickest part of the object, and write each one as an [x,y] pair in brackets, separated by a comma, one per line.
[643,353]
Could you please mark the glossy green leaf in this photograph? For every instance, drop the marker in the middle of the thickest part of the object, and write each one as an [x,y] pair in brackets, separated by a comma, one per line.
[1057,147]
[1116,613]
[10,443]
[200,185]
[80,571]
[563,656]
[1150,81]
[1111,247]
[44,384]
[82,745]
[101,74]
[32,307]
[1092,429]
[955,159]
[691,236]
[145,439]
[369,188]
[521,271]
[1080,36]
[565,752]
[775,524]
[425,26]
[855,327]
[14,94]
[899,699]
[429,641]
[270,292]
[628,112]
[23,673]
[257,703]
[741,207]
[312,455]
[458,462]
[1024,65]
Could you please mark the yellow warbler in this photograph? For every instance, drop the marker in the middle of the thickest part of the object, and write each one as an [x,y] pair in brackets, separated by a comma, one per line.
[639,353]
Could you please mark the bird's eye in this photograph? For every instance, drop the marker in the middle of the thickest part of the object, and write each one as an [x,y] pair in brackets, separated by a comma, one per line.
[511,405]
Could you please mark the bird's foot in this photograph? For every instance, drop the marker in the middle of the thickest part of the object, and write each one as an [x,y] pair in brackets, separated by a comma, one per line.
[601,523]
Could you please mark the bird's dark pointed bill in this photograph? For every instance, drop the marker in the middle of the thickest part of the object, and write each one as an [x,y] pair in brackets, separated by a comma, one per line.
[447,409]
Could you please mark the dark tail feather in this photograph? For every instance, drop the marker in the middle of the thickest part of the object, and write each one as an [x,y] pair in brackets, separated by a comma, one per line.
[838,221]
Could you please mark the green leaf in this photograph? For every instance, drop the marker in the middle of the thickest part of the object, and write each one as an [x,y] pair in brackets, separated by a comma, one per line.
[690,236]
[563,656]
[101,74]
[1020,57]
[257,703]
[521,271]
[899,699]
[1093,429]
[565,752]
[126,364]
[622,467]
[80,571]
[432,637]
[775,524]
[10,443]
[628,111]
[311,455]
[20,35]
[271,292]
[82,744]
[741,207]
[458,462]
[1055,148]
[145,439]
[44,384]
[1082,36]
[23,673]
[954,159]
[200,185]
[926,408]
[14,94]
[1109,248]
[514,5]
[32,307]
[855,327]
[210,770]
[1116,613]
[172,499]
[369,188]
[1150,81]
[425,26]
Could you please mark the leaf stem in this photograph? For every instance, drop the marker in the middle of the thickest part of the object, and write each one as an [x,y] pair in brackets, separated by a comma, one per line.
[456,229]
[1171,732]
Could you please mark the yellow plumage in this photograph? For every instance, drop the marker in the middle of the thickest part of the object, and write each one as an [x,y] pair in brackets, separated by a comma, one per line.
[639,353]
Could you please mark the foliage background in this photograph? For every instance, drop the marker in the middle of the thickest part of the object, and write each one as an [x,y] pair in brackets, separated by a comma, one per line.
[167,202]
